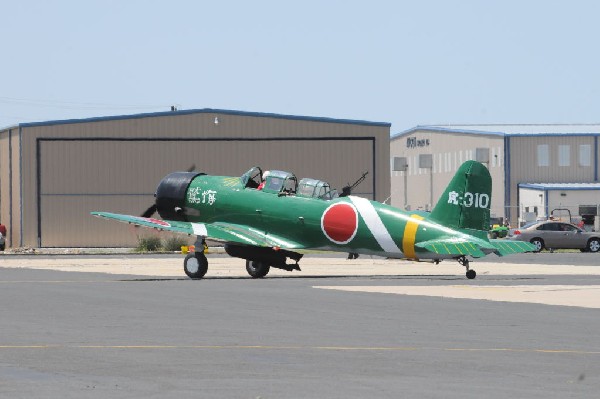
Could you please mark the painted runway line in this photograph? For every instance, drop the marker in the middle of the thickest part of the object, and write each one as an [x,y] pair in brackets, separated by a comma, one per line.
[298,348]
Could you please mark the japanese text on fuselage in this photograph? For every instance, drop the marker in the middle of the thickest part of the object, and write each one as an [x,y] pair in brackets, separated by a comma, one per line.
[198,196]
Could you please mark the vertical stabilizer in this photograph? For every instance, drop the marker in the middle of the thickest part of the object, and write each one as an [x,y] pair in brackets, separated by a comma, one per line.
[466,202]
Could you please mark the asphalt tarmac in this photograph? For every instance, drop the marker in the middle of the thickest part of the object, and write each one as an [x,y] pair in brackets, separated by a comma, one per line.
[84,334]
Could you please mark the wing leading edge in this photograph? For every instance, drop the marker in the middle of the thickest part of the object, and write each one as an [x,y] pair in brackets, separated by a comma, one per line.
[221,232]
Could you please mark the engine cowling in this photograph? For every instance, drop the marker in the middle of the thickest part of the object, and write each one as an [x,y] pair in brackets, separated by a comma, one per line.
[171,195]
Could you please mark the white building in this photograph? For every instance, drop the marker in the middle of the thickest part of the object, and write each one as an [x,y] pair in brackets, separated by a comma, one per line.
[519,157]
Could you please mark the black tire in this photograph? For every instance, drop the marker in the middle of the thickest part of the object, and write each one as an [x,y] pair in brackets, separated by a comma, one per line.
[195,265]
[257,269]
[471,274]
[593,245]
[538,242]
[493,235]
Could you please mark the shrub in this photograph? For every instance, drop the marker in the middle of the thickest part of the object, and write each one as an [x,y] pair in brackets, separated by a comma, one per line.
[174,243]
[148,244]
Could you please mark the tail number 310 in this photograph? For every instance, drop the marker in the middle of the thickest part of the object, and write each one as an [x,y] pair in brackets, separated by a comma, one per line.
[476,200]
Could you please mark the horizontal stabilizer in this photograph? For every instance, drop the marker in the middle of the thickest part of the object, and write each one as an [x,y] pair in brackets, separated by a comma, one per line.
[507,247]
[453,246]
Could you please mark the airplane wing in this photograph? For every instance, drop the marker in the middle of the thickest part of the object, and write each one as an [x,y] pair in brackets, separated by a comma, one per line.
[221,232]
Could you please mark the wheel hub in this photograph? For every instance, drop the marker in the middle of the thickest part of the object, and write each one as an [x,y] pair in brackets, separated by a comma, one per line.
[192,265]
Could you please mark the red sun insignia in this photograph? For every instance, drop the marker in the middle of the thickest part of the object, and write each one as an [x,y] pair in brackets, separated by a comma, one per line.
[155,221]
[340,222]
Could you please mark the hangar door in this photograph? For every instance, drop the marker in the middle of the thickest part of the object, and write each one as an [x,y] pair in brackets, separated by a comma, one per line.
[79,176]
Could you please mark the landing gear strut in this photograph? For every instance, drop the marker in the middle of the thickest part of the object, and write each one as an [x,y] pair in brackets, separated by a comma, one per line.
[465,262]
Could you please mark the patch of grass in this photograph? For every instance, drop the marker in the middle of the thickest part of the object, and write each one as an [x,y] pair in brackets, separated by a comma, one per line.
[172,244]
[148,244]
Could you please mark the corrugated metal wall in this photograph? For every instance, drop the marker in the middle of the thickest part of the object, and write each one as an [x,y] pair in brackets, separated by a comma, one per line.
[524,163]
[4,178]
[524,160]
[115,165]
[10,203]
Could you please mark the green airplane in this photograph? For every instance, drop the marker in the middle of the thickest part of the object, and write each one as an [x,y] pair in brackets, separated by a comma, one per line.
[267,222]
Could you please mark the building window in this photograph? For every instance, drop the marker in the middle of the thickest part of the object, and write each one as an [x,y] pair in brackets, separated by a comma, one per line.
[564,155]
[585,155]
[542,155]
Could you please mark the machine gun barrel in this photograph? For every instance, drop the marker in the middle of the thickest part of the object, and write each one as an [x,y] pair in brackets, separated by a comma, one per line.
[347,190]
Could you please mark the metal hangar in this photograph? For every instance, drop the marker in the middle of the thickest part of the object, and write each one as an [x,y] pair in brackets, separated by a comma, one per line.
[52,174]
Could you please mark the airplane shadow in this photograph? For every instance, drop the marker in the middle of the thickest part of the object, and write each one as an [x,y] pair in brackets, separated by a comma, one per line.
[335,277]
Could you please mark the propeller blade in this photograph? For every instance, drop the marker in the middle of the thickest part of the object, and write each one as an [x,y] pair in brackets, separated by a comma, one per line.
[191,168]
[149,212]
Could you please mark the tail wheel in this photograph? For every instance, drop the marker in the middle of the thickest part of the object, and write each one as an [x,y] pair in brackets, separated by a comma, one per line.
[195,265]
[593,245]
[257,269]
[471,274]
[539,244]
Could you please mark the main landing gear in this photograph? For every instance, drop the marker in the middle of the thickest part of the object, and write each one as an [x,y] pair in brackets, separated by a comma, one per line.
[259,260]
[195,265]
[471,274]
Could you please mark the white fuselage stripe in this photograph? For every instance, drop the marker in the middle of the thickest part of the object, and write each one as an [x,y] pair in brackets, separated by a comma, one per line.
[199,229]
[373,221]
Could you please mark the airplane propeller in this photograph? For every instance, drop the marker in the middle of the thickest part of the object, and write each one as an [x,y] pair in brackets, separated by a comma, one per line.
[152,210]
[149,212]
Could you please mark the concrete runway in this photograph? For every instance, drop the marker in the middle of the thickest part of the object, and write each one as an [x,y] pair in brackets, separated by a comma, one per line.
[134,326]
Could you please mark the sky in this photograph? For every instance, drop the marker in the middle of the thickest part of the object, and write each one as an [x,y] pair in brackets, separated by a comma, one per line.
[404,62]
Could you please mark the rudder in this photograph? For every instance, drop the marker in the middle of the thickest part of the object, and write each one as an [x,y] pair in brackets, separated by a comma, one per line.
[466,201]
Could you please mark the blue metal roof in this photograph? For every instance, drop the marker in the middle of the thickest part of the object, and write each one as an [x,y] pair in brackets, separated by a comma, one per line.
[560,186]
[206,111]
[512,130]
[444,130]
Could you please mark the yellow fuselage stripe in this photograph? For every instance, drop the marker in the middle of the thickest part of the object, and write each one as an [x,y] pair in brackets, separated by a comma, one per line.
[410,233]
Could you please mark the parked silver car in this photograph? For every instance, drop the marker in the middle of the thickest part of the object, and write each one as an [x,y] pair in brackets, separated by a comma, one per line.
[557,235]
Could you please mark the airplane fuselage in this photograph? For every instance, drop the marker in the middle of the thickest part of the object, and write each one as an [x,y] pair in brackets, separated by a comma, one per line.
[349,224]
